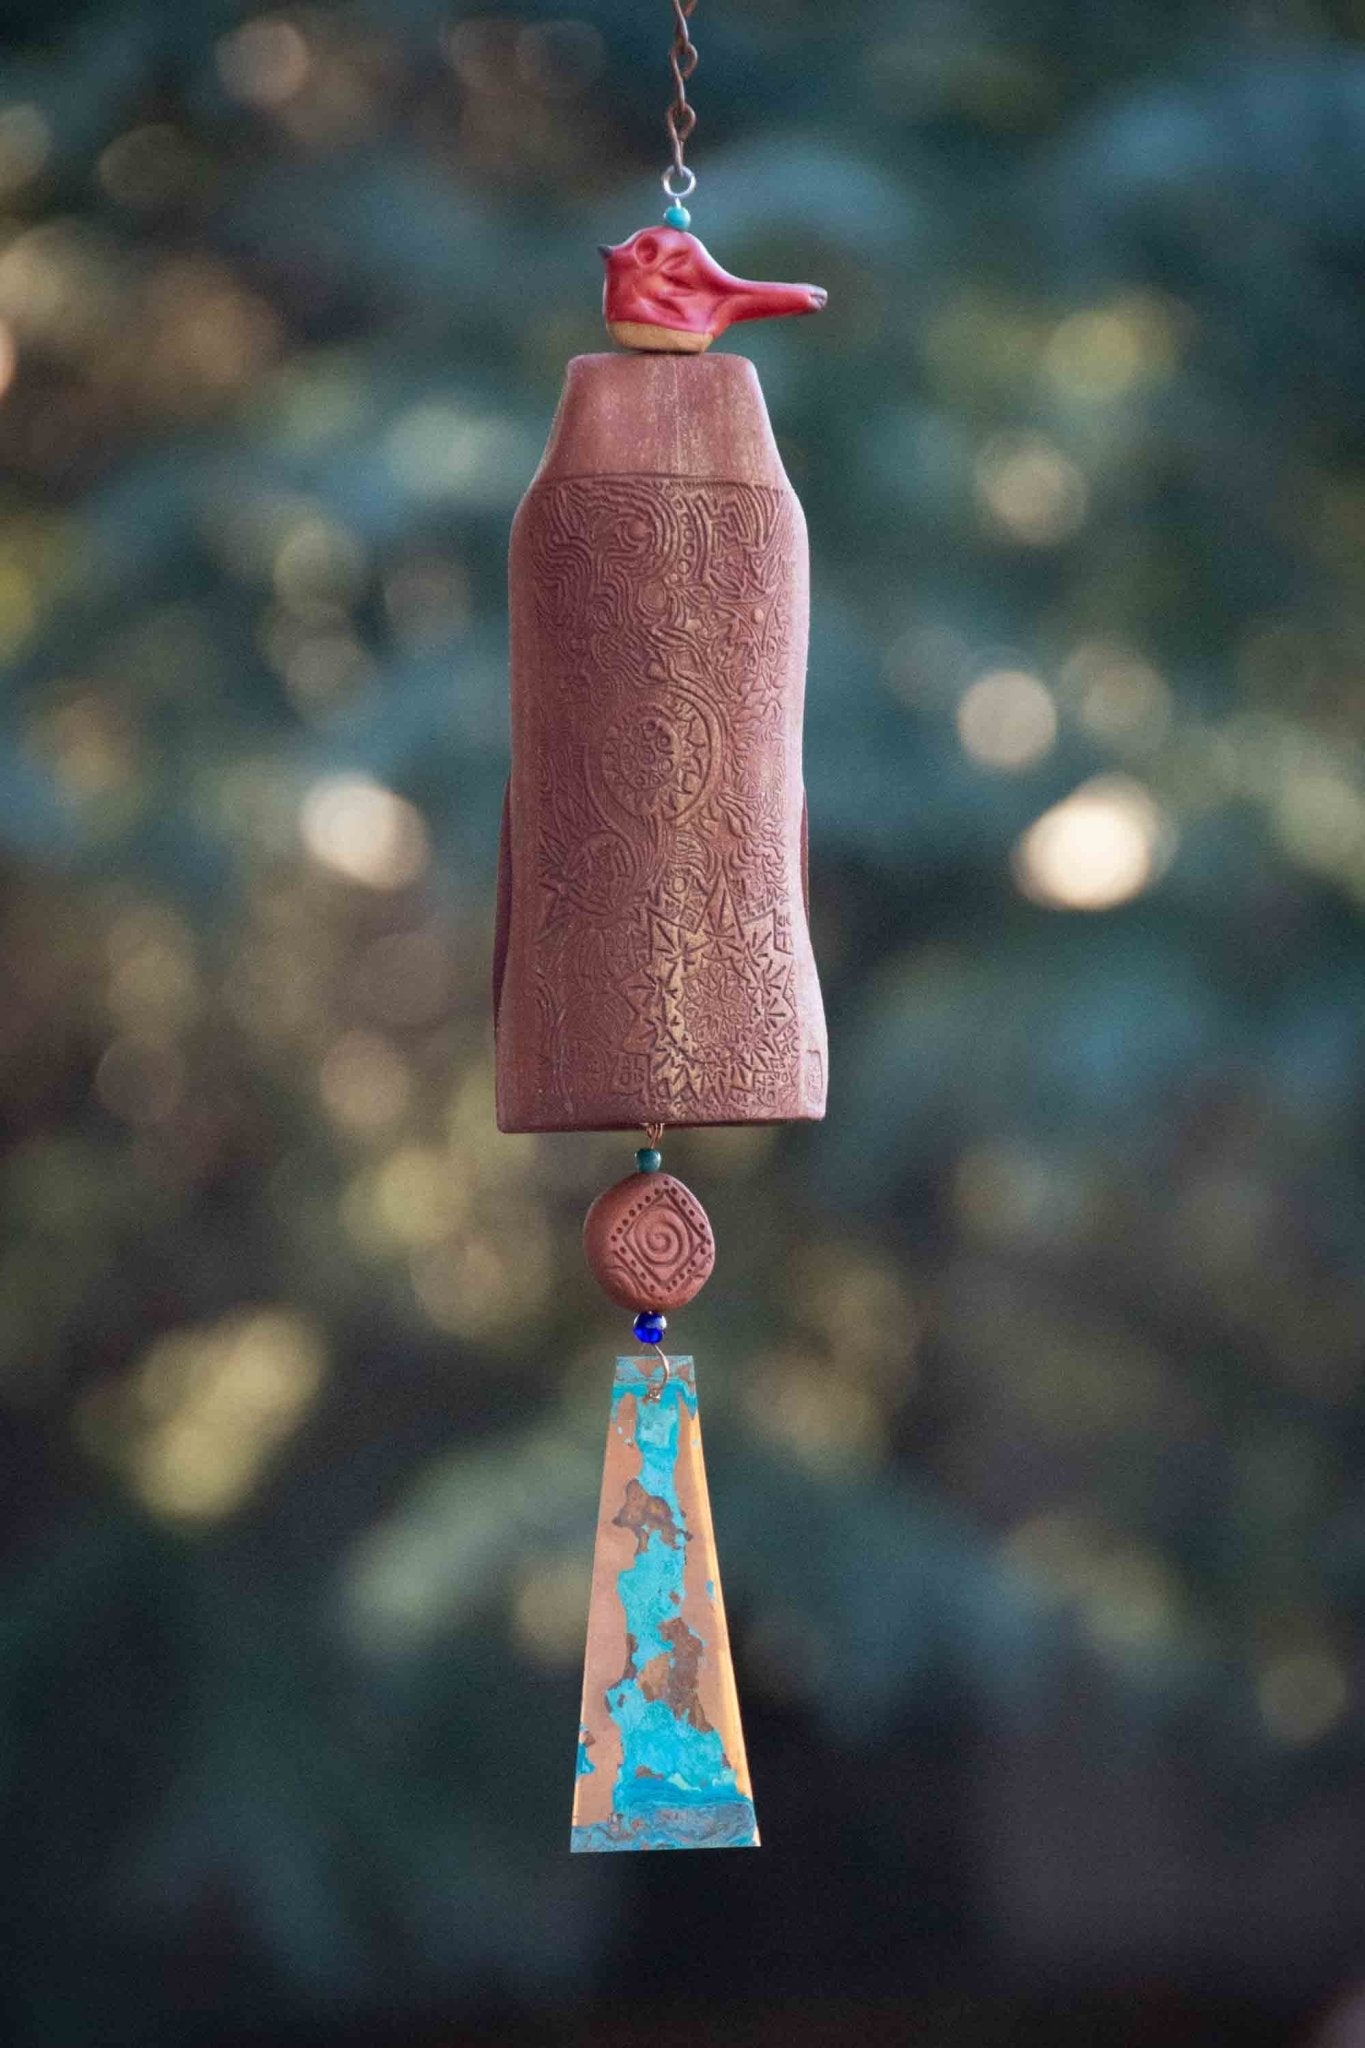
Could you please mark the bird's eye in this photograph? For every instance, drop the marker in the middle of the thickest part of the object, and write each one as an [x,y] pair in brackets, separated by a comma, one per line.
[647,250]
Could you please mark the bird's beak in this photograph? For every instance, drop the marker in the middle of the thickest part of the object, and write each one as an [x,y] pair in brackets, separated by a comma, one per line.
[741,298]
[605,251]
[764,301]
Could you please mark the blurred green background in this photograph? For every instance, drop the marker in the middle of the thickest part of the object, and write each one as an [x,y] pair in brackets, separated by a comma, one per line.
[1032,1379]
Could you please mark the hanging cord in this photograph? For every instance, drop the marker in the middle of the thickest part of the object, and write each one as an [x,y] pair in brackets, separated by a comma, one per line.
[678,181]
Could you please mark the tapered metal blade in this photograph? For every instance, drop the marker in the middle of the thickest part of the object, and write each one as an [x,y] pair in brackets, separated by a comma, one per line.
[661,1761]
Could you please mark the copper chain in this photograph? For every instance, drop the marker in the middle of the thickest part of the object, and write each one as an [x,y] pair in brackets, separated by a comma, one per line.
[681,117]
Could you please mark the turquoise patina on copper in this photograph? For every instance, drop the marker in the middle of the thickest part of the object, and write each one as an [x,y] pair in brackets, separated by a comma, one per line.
[667,1712]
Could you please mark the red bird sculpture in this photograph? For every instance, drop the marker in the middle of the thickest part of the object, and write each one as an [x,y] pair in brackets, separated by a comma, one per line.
[664,292]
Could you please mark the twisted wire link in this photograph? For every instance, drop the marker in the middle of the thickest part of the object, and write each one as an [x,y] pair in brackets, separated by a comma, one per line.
[681,118]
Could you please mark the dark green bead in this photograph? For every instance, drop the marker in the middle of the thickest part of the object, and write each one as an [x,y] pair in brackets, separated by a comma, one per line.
[648,1160]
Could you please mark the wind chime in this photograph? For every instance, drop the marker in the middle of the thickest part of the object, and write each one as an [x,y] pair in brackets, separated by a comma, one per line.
[653,967]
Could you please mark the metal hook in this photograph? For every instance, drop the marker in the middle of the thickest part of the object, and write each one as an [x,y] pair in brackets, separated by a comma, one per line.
[653,1392]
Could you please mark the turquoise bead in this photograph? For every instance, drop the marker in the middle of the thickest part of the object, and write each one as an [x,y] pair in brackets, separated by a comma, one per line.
[677,217]
[648,1160]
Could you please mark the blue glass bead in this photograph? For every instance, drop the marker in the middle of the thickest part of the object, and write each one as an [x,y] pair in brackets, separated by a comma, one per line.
[647,1160]
[649,1328]
[677,217]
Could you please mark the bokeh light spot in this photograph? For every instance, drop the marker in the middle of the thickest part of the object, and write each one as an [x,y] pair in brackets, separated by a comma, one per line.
[323,669]
[150,166]
[153,986]
[1130,1601]
[364,1084]
[88,739]
[18,604]
[442,449]
[1320,817]
[25,142]
[550,1608]
[361,830]
[1007,720]
[489,1281]
[1099,354]
[427,598]
[206,334]
[830,1422]
[318,560]
[404,978]
[265,62]
[59,285]
[560,58]
[1302,1696]
[1121,699]
[1124,1594]
[1006,1192]
[140,1081]
[1031,490]
[198,1419]
[412,1199]
[1101,846]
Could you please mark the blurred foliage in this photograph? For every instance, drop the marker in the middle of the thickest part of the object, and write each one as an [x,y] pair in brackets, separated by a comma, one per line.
[1043,1354]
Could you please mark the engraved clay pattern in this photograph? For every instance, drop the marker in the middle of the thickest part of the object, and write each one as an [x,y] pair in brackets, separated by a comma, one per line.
[648,1242]
[663,959]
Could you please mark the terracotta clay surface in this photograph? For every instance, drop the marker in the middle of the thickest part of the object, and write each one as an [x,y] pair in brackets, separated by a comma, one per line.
[664,290]
[648,1242]
[661,1761]
[653,963]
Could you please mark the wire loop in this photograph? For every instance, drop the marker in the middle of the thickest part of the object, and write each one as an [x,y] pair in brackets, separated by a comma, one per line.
[681,117]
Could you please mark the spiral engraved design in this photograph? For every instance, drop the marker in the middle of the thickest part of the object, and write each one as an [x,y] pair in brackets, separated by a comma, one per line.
[648,1242]
[662,1243]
